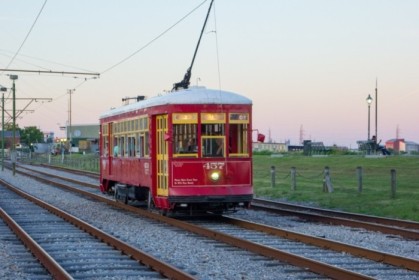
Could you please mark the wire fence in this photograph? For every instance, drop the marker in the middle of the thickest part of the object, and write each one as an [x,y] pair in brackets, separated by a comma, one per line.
[88,162]
[324,177]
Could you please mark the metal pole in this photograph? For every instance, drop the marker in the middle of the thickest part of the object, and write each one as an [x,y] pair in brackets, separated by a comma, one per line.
[376,112]
[13,152]
[293,178]
[2,130]
[369,107]
[359,176]
[70,91]
[272,176]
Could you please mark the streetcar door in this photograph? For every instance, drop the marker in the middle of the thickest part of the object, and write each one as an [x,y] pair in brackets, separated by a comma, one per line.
[162,155]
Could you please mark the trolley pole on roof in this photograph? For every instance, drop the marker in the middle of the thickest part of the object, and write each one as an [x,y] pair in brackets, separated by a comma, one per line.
[186,79]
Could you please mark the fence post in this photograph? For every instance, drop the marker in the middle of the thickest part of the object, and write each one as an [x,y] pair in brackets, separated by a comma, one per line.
[359,176]
[272,176]
[327,183]
[293,178]
[393,183]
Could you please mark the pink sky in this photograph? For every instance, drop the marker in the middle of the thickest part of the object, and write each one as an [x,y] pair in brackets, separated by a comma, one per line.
[307,64]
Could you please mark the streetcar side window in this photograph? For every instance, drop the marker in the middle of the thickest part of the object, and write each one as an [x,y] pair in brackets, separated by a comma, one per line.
[122,147]
[115,147]
[142,145]
[131,146]
[139,146]
[105,135]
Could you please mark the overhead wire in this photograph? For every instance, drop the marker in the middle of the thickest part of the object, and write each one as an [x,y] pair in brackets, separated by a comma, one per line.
[153,40]
[216,46]
[27,35]
[120,62]
[45,60]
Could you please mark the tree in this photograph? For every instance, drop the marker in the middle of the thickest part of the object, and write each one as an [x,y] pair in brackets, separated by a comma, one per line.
[31,134]
[9,126]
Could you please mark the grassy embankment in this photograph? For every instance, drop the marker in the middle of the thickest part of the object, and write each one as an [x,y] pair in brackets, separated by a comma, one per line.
[375,198]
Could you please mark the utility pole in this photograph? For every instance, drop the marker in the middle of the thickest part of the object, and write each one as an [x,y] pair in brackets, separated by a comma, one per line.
[13,152]
[70,92]
[2,89]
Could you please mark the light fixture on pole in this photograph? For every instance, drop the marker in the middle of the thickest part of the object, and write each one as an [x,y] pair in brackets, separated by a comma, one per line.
[2,89]
[369,101]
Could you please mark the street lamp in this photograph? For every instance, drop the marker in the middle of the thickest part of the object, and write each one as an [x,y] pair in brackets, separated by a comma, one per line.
[2,89]
[369,101]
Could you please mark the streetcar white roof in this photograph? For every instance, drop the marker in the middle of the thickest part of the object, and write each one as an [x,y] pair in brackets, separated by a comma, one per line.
[192,95]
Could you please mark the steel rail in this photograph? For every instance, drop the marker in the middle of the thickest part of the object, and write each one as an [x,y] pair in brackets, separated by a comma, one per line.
[273,207]
[137,254]
[71,170]
[353,216]
[54,268]
[377,256]
[299,261]
[85,184]
[406,233]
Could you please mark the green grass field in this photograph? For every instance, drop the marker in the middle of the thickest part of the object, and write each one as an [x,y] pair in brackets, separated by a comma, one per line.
[375,198]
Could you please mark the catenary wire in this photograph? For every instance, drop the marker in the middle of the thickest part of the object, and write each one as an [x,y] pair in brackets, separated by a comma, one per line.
[27,35]
[153,40]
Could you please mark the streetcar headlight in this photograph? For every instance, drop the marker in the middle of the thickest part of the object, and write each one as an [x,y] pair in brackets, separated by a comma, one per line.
[215,176]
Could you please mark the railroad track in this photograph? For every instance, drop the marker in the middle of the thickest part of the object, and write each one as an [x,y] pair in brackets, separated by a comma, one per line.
[317,266]
[72,249]
[90,174]
[406,229]
[403,228]
[15,254]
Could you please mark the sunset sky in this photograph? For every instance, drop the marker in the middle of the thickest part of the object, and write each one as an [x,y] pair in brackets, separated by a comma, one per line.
[307,65]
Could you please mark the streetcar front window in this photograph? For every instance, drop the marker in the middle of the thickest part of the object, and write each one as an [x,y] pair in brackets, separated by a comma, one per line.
[185,131]
[213,146]
[213,141]
[184,140]
[239,134]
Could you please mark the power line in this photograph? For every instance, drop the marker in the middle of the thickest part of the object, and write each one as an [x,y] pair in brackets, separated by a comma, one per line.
[43,60]
[153,40]
[27,35]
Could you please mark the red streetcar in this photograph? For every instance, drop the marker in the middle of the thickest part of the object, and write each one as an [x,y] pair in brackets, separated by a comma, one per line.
[188,150]
[185,151]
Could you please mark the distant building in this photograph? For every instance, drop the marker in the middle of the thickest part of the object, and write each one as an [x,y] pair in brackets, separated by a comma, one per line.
[400,145]
[271,147]
[397,145]
[84,137]
[8,138]
[411,147]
